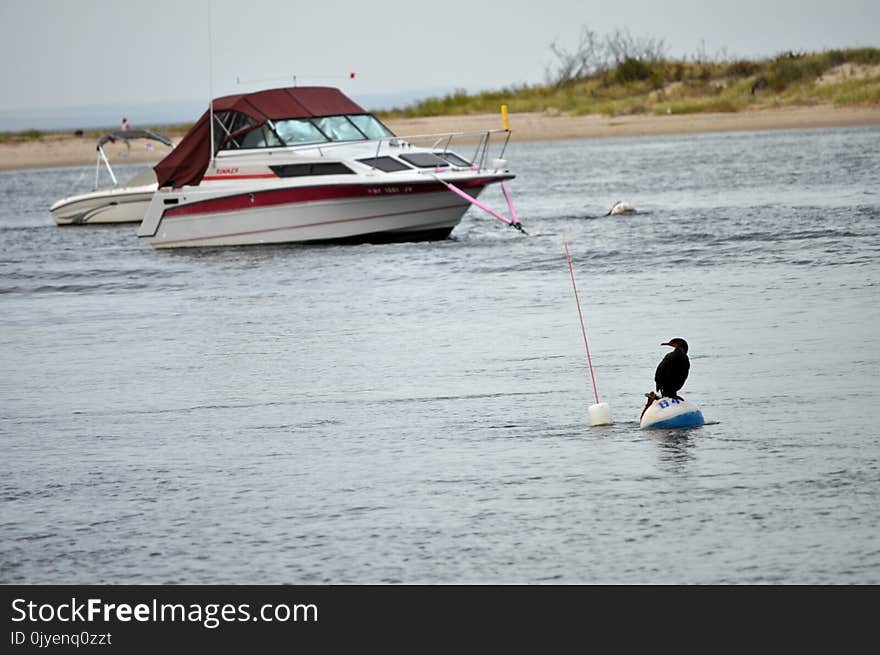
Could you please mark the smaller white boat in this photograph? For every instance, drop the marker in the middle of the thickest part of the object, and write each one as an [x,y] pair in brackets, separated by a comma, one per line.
[671,413]
[124,202]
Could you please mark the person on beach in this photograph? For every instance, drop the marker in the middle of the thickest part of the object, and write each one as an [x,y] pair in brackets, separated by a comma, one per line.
[125,129]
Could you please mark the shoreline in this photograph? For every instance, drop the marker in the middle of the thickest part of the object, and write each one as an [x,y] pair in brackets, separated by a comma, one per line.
[67,150]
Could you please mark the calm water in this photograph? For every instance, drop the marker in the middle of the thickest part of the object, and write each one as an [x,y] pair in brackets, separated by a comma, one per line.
[418,412]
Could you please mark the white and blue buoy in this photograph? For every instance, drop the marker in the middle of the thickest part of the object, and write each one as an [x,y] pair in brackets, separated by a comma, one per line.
[671,413]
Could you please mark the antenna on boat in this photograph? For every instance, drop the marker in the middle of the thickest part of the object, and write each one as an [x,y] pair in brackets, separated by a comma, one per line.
[211,82]
[599,414]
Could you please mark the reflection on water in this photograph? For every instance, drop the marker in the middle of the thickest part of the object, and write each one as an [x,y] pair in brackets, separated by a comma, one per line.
[675,445]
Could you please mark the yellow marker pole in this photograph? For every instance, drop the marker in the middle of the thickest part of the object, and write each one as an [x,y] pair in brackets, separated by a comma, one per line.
[504,118]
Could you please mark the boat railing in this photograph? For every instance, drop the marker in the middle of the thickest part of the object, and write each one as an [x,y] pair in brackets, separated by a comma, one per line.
[103,157]
[482,142]
[124,136]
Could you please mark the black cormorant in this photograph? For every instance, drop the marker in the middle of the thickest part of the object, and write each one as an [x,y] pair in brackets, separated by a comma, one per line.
[673,369]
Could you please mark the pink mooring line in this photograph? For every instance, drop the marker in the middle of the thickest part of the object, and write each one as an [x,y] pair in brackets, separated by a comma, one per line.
[581,316]
[479,204]
[509,203]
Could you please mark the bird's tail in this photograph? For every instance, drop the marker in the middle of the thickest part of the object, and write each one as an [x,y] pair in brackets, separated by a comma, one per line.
[651,396]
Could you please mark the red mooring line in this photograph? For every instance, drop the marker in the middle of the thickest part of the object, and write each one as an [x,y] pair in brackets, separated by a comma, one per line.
[581,316]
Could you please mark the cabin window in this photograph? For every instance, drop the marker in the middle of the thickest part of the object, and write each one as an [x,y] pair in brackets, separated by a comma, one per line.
[261,137]
[229,128]
[298,132]
[386,164]
[370,126]
[424,159]
[453,159]
[301,170]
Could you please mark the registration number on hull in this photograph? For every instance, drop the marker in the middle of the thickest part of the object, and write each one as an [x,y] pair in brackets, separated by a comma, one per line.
[381,190]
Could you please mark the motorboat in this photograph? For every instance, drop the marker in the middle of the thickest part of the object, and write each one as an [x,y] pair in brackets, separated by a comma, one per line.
[305,164]
[123,202]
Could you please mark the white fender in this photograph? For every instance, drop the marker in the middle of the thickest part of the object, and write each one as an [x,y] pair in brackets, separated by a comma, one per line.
[599,414]
[672,413]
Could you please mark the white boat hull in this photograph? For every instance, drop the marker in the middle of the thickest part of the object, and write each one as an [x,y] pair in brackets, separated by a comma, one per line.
[200,218]
[117,205]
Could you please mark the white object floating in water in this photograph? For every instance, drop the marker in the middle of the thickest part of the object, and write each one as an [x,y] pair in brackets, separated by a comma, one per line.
[599,414]
[672,413]
[622,207]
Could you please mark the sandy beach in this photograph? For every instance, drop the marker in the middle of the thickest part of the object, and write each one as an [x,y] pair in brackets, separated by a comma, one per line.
[61,150]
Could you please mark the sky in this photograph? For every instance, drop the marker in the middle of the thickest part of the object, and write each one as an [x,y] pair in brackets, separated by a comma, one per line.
[67,62]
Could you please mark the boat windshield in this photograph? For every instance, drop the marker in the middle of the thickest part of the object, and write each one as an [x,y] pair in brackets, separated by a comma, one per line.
[303,131]
[371,127]
[298,132]
[339,128]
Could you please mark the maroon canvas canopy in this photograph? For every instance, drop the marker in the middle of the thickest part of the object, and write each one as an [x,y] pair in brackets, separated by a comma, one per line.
[186,164]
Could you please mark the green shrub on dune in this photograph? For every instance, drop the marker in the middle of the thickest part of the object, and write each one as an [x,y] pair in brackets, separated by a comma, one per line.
[624,75]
